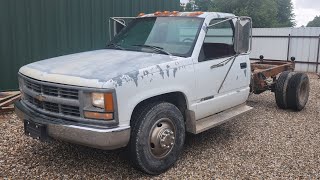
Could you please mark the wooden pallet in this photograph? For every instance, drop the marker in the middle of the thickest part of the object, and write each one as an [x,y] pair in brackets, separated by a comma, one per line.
[7,99]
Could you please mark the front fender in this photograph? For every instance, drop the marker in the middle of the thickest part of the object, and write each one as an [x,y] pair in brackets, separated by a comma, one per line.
[136,87]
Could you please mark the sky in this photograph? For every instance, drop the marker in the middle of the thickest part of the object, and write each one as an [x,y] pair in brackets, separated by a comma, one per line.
[305,10]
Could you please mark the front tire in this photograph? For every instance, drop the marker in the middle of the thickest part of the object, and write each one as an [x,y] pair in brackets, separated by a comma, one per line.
[157,137]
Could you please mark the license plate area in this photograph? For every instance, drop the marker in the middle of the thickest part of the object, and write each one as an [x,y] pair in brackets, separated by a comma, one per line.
[35,130]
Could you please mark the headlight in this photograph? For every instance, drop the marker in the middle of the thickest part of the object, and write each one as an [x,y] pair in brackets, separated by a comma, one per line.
[103,101]
[98,100]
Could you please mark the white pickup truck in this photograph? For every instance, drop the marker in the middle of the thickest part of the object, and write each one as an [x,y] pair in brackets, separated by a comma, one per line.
[164,74]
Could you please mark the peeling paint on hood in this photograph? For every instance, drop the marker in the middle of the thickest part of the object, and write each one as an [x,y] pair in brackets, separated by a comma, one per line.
[99,65]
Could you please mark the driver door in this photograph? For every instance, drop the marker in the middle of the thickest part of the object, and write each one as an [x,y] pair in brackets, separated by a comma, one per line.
[222,76]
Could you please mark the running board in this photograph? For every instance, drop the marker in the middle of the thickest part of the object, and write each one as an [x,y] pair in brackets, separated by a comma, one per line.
[217,119]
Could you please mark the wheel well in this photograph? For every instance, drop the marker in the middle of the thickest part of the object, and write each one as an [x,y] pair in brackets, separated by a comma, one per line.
[176,98]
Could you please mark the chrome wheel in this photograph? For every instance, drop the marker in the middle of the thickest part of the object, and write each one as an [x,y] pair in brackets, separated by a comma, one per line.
[162,138]
[157,137]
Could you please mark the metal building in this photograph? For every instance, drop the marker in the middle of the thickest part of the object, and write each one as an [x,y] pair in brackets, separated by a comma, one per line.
[33,30]
[284,43]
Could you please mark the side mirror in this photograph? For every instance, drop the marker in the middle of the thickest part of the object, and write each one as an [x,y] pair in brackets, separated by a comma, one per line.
[243,32]
[116,24]
[117,28]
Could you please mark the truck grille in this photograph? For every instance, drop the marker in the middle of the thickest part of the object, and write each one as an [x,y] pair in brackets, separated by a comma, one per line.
[52,91]
[54,98]
[54,107]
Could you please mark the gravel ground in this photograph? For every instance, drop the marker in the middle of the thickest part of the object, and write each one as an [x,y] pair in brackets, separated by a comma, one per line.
[265,143]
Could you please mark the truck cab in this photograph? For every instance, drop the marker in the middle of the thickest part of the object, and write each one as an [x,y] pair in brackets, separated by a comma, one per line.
[162,75]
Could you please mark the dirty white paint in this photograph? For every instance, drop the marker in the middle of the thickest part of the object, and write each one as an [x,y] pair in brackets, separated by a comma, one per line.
[235,89]
[96,66]
[137,76]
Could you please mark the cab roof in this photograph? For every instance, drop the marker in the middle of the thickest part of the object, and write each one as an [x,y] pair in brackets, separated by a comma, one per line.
[187,14]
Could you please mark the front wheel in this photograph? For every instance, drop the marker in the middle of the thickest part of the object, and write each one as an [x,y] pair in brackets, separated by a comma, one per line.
[157,137]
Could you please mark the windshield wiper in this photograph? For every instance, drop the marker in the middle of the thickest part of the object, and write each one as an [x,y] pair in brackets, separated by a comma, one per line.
[117,46]
[155,48]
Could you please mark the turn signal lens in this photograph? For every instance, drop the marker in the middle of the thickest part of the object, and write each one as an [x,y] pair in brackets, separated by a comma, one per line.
[166,12]
[99,116]
[196,13]
[157,13]
[175,12]
[108,102]
[141,14]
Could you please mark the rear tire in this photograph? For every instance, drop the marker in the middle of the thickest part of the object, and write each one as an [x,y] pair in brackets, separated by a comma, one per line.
[298,91]
[157,137]
[281,89]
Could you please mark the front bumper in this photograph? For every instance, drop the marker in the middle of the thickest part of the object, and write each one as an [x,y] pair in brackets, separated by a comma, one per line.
[83,134]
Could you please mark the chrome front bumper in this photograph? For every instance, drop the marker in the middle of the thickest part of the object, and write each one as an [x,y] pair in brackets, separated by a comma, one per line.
[92,136]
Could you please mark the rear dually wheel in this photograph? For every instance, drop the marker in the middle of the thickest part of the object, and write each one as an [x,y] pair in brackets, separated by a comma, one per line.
[298,91]
[281,89]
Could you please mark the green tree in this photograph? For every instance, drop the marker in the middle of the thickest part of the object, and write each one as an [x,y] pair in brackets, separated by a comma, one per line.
[181,9]
[285,16]
[202,5]
[189,7]
[263,12]
[198,5]
[315,22]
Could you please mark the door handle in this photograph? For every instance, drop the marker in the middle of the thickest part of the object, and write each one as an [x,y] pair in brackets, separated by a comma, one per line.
[243,65]
[216,66]
[225,62]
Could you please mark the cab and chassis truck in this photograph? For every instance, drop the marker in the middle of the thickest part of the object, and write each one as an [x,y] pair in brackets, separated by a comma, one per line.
[163,75]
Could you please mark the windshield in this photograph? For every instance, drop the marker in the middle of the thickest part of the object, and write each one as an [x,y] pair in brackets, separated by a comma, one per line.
[166,35]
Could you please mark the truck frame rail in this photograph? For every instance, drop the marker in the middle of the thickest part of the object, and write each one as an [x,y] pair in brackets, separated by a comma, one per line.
[264,74]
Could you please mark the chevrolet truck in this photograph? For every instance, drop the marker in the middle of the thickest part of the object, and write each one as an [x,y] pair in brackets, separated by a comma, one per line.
[162,75]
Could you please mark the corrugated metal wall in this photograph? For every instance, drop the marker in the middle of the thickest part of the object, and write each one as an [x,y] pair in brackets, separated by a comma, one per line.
[284,43]
[33,30]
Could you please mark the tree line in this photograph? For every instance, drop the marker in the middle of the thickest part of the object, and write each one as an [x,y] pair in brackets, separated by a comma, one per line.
[264,13]
[315,22]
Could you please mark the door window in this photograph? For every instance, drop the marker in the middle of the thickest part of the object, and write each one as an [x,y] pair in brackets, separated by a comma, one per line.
[219,41]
